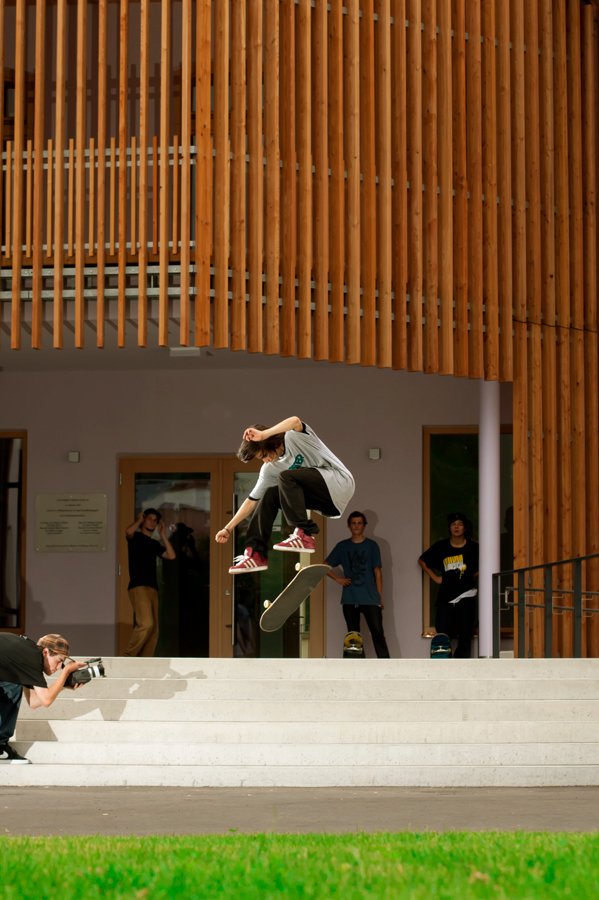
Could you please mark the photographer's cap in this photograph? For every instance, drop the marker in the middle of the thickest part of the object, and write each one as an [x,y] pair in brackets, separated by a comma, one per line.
[54,642]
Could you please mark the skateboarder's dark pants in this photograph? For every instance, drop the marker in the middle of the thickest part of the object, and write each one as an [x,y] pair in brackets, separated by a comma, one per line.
[458,620]
[374,620]
[298,491]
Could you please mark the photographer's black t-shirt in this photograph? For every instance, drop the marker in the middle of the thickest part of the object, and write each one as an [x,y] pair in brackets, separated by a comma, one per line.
[21,661]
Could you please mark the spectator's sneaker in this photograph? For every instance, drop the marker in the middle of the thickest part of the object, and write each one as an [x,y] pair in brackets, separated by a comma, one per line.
[9,755]
[298,542]
[251,561]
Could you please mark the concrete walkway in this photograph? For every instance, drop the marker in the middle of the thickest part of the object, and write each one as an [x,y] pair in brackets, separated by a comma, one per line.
[139,811]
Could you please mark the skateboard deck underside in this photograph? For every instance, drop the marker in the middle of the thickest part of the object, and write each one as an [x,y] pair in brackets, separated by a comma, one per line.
[292,596]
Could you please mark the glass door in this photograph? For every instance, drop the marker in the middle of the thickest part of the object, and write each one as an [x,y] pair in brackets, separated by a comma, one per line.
[204,611]
[251,594]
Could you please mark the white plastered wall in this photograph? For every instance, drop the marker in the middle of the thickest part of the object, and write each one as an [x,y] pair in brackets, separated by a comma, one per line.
[106,413]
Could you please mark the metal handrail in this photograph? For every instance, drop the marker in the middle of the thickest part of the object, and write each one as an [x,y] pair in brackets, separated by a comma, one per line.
[549,593]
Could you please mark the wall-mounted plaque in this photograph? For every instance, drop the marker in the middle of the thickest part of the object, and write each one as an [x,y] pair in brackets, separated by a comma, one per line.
[70,523]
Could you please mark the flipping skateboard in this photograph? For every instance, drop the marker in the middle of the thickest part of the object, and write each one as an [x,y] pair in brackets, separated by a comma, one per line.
[440,646]
[353,646]
[292,597]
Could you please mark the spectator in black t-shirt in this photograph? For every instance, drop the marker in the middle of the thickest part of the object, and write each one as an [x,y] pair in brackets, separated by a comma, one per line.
[23,666]
[143,584]
[452,563]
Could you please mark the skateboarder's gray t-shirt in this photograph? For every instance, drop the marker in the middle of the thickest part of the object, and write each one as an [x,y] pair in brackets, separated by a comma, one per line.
[305,450]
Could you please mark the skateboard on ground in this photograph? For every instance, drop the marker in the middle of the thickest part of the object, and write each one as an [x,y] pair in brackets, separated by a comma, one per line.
[353,646]
[440,646]
[292,597]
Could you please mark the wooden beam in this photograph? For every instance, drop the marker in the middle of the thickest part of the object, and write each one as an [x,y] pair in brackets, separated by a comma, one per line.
[431,185]
[337,204]
[400,189]
[101,225]
[415,223]
[384,166]
[18,198]
[204,173]
[222,193]
[305,185]
[272,140]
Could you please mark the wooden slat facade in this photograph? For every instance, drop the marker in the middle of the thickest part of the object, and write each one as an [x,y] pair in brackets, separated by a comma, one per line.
[394,183]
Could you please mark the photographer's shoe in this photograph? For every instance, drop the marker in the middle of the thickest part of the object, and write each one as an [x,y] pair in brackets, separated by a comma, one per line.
[9,755]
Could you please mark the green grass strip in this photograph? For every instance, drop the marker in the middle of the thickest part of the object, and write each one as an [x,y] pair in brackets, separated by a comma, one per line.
[404,865]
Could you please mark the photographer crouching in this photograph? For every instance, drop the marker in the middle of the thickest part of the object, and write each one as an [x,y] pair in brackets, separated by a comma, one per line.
[23,665]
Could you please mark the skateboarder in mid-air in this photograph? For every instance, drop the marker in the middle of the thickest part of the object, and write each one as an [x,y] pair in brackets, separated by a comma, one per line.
[298,473]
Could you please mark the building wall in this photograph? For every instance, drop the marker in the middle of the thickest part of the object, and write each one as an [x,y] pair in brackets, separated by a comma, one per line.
[106,413]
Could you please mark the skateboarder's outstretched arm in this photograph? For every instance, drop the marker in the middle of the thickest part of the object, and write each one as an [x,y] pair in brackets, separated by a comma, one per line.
[245,510]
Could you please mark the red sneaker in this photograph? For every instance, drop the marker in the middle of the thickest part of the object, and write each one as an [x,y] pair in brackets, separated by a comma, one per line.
[298,542]
[251,561]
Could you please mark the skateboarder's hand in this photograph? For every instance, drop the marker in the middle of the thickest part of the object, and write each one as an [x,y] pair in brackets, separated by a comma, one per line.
[222,536]
[252,434]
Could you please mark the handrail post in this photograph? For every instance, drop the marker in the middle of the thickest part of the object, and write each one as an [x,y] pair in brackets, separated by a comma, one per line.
[548,609]
[496,616]
[521,616]
[577,608]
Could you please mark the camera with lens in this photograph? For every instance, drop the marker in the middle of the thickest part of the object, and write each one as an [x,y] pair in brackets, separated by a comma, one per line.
[94,668]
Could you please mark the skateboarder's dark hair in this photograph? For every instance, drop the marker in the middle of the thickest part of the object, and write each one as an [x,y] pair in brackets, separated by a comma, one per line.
[248,450]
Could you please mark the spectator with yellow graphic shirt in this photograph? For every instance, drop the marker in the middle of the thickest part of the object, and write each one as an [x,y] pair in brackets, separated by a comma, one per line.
[452,563]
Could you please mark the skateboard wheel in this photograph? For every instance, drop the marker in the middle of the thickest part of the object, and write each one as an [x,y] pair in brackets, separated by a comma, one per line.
[266,604]
[298,566]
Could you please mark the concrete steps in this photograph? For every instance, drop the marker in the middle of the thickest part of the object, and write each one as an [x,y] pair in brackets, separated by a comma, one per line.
[227,723]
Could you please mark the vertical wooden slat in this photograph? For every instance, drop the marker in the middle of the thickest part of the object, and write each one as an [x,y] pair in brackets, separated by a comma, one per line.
[305,198]
[273,176]
[520,393]
[415,246]
[112,198]
[475,206]
[49,198]
[91,206]
[186,55]
[144,49]
[384,355]
[400,178]
[549,376]
[431,223]
[352,100]
[221,174]
[321,180]
[444,118]
[255,174]
[461,189]
[367,124]
[562,278]
[289,178]
[101,225]
[71,199]
[490,267]
[8,197]
[122,180]
[61,30]
[577,376]
[533,297]
[155,194]
[80,198]
[28,168]
[174,241]
[590,73]
[504,179]
[38,175]
[165,135]
[203,222]
[19,118]
[337,203]
[2,145]
[132,197]
[238,175]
